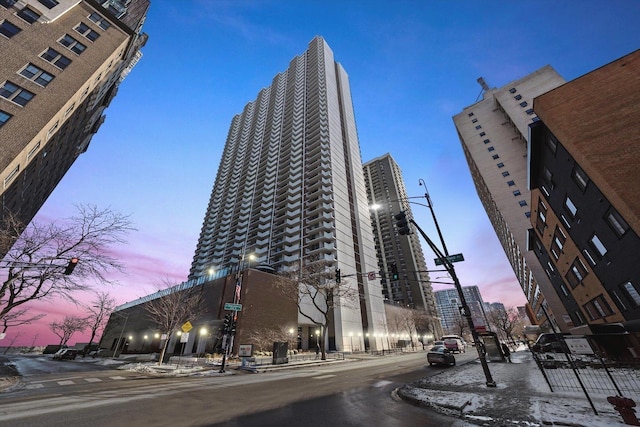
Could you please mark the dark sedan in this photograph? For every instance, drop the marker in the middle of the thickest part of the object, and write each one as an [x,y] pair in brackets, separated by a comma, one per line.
[440,355]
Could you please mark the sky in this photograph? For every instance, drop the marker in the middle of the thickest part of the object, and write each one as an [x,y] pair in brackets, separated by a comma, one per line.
[412,65]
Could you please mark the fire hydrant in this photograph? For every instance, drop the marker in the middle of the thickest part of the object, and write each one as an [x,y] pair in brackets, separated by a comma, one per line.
[625,406]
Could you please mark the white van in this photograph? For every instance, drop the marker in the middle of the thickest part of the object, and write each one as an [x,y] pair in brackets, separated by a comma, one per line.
[454,343]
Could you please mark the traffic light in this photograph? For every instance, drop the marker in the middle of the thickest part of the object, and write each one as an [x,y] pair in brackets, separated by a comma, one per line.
[402,224]
[338,278]
[394,272]
[72,264]
[226,326]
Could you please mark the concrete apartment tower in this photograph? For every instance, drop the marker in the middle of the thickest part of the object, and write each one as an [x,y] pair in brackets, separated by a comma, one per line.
[61,65]
[290,189]
[387,196]
[494,134]
[448,304]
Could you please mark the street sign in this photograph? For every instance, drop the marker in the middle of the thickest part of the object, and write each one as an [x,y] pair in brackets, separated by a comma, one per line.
[232,307]
[451,258]
[187,326]
[184,337]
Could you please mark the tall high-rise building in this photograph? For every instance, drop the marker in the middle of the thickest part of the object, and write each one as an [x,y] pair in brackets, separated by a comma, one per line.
[493,133]
[449,306]
[62,63]
[290,189]
[398,255]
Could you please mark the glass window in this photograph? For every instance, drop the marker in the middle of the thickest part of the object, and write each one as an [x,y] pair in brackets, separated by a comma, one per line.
[580,177]
[518,97]
[84,29]
[7,3]
[72,44]
[53,56]
[598,245]
[568,204]
[529,111]
[616,222]
[28,15]
[512,90]
[37,75]
[552,144]
[478,127]
[103,23]
[49,4]
[495,157]
[482,134]
[505,173]
[4,117]
[632,293]
[470,114]
[11,175]
[511,183]
[522,203]
[8,29]
[490,149]
[527,214]
[500,165]
[523,104]
[516,193]
[15,93]
[474,121]
[486,141]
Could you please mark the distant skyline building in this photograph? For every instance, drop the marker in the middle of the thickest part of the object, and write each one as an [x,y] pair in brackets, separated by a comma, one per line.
[387,196]
[585,181]
[62,63]
[493,133]
[290,190]
[449,306]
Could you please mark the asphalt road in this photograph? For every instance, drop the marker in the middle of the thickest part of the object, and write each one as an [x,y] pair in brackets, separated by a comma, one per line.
[346,394]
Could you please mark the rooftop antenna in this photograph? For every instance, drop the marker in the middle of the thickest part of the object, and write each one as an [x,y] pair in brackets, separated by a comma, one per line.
[485,87]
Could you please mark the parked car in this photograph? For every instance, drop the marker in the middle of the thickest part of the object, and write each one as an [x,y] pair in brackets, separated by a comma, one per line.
[440,355]
[549,343]
[454,343]
[65,354]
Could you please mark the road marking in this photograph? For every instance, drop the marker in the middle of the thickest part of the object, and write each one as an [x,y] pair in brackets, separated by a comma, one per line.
[382,383]
[321,377]
[93,380]
[66,382]
[34,386]
[117,378]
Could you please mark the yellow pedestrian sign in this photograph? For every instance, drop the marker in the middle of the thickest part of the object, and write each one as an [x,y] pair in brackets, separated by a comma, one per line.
[187,326]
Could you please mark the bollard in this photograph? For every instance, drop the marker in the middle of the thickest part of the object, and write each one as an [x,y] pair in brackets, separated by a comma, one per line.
[625,406]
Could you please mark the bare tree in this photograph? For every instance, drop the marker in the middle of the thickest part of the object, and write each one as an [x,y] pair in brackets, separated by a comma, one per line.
[311,285]
[506,321]
[461,325]
[69,326]
[17,318]
[18,335]
[176,306]
[35,265]
[99,309]
[264,337]
[425,324]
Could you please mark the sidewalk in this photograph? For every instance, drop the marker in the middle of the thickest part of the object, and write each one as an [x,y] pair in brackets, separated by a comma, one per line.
[521,397]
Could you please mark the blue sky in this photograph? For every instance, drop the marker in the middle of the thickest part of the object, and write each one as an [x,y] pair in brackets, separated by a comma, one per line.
[412,65]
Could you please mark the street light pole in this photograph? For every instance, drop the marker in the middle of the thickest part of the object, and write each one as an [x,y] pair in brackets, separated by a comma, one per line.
[126,318]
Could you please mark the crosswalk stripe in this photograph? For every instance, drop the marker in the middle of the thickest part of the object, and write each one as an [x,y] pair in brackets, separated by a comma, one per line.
[68,382]
[323,377]
[93,380]
[382,383]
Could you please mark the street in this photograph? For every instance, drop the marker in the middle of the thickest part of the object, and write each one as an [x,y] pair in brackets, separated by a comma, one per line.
[350,393]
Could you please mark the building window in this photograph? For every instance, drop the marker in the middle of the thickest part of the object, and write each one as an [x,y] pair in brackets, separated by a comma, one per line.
[8,29]
[588,257]
[632,293]
[598,308]
[69,110]
[500,165]
[28,15]
[490,148]
[547,175]
[52,130]
[570,207]
[57,59]
[84,29]
[558,242]
[103,23]
[49,4]
[527,214]
[37,75]
[486,141]
[33,151]
[523,104]
[474,121]
[552,144]
[580,318]
[580,177]
[7,3]
[11,175]
[482,134]
[511,183]
[516,193]
[512,90]
[470,114]
[478,127]
[495,157]
[4,117]
[505,174]
[15,93]
[72,44]
[529,111]
[617,299]
[598,245]
[541,220]
[522,203]
[518,97]
[616,222]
